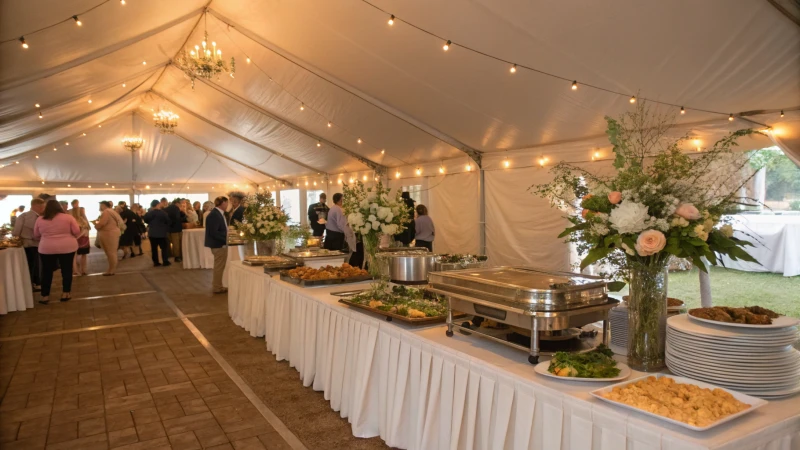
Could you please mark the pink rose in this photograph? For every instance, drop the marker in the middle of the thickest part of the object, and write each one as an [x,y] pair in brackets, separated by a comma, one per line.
[650,242]
[687,211]
[615,197]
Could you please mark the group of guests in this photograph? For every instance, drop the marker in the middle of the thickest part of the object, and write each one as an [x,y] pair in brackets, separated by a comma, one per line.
[332,223]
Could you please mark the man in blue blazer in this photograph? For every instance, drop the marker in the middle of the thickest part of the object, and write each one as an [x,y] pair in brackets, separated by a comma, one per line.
[158,232]
[217,241]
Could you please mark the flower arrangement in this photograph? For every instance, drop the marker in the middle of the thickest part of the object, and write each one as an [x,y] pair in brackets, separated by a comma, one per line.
[372,211]
[262,219]
[660,202]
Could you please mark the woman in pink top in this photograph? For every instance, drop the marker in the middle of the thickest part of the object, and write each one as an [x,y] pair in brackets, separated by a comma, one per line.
[58,240]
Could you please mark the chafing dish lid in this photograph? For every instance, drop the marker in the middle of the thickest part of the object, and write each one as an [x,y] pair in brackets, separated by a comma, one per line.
[519,282]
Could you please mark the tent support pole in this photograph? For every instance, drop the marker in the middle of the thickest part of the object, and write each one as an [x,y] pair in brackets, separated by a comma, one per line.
[481,212]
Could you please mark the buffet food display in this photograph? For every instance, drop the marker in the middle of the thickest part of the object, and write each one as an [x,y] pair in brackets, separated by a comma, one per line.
[685,402]
[309,276]
[235,237]
[597,363]
[406,267]
[457,261]
[750,315]
[407,304]
[544,302]
[316,257]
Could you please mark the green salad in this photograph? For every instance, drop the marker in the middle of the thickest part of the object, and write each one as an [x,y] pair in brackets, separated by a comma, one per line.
[402,300]
[597,363]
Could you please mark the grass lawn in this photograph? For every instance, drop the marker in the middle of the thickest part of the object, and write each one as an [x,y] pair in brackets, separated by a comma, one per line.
[734,288]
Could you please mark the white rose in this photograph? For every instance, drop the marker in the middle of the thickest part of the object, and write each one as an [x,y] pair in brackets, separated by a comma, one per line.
[372,218]
[389,217]
[727,230]
[629,217]
[376,225]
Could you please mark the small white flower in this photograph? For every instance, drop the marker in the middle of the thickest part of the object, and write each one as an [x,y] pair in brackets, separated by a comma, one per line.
[629,217]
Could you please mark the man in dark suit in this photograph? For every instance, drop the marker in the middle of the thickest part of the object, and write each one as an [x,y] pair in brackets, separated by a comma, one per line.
[158,232]
[237,208]
[176,220]
[316,212]
[217,241]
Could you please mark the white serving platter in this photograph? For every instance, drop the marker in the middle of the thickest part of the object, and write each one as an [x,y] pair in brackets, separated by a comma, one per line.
[780,322]
[732,354]
[624,372]
[754,402]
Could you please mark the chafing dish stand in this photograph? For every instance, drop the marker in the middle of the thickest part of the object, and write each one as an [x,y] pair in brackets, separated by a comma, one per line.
[528,298]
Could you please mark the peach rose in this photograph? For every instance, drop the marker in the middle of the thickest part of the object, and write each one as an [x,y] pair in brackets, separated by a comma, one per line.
[587,197]
[615,197]
[687,211]
[650,242]
[584,213]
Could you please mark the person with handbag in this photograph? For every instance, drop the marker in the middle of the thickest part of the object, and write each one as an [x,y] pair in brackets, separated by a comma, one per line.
[108,231]
[79,214]
[57,233]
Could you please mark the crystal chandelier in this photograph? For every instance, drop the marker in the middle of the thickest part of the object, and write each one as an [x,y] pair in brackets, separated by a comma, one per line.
[132,143]
[204,61]
[165,121]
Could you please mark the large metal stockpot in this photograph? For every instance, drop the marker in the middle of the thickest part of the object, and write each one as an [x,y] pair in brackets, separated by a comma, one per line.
[407,267]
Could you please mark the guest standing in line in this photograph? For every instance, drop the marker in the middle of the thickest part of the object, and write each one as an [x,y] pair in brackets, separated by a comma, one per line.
[207,208]
[158,233]
[408,235]
[191,215]
[79,214]
[175,227]
[318,212]
[199,213]
[217,240]
[337,230]
[23,229]
[137,240]
[64,206]
[128,237]
[57,233]
[237,208]
[16,213]
[108,232]
[423,226]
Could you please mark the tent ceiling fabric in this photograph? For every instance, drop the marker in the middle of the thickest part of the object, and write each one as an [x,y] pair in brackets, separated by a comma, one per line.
[391,86]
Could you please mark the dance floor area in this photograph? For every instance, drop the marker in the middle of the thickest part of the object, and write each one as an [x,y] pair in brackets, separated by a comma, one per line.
[149,359]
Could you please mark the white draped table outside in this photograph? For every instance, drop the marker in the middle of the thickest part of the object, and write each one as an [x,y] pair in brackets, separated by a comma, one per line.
[197,256]
[776,243]
[418,389]
[16,291]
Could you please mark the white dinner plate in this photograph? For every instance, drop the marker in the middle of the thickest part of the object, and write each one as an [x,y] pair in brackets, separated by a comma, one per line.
[780,322]
[785,359]
[683,323]
[766,390]
[743,379]
[624,372]
[743,373]
[727,353]
[765,341]
[754,403]
[734,347]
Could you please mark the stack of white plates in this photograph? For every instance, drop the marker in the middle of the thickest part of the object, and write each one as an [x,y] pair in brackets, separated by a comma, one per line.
[619,326]
[756,360]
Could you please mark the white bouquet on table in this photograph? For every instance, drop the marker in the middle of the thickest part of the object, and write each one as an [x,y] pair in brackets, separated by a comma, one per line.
[263,220]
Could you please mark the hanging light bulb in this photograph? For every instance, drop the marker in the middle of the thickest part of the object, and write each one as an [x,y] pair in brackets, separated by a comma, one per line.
[37,105]
[781,113]
[575,85]
[77,21]
[391,20]
[469,167]
[122,2]
[42,181]
[506,163]
[315,183]
[319,144]
[37,156]
[330,124]
[144,63]
[397,174]
[359,140]
[633,99]
[383,151]
[339,181]
[306,182]
[302,107]
[513,69]
[69,185]
[364,178]
[55,149]
[40,114]
[419,171]
[596,154]
[90,101]
[441,169]
[683,111]
[446,45]
[66,143]
[730,118]
[22,40]
[123,85]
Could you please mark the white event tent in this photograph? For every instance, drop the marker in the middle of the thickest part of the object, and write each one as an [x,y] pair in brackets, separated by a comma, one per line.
[330,91]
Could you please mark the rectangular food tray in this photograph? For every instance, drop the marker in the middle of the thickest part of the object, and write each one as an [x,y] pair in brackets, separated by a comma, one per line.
[390,316]
[754,403]
[313,283]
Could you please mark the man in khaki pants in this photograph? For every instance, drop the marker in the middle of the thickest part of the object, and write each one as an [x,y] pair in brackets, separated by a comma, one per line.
[217,241]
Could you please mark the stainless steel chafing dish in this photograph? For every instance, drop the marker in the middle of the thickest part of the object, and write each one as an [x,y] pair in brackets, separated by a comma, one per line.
[545,302]
[317,258]
[407,267]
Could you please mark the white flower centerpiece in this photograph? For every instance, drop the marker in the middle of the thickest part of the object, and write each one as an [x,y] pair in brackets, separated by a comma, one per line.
[264,223]
[661,202]
[371,212]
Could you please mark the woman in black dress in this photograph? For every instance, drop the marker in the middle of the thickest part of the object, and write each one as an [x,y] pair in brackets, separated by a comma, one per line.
[132,230]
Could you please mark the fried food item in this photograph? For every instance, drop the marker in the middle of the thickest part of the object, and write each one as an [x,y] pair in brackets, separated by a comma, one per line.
[415,313]
[674,302]
[326,272]
[375,303]
[751,315]
[686,403]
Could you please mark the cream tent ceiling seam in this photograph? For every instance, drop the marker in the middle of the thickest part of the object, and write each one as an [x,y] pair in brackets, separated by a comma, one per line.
[425,128]
[195,171]
[68,122]
[114,117]
[233,133]
[367,162]
[47,106]
[97,54]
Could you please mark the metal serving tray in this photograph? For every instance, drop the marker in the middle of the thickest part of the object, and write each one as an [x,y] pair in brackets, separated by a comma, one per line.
[313,283]
[524,288]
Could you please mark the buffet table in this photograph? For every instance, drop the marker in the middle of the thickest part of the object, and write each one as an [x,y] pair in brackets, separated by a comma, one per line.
[779,248]
[418,389]
[16,292]
[197,256]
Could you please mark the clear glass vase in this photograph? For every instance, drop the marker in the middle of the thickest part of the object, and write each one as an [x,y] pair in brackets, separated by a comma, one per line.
[371,242]
[647,314]
[269,247]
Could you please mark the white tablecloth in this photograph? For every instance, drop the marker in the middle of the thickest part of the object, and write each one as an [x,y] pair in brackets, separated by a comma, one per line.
[197,256]
[16,292]
[779,248]
[418,389]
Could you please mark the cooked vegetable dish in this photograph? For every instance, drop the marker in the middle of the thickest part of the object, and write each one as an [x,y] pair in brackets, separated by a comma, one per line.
[597,363]
[402,300]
